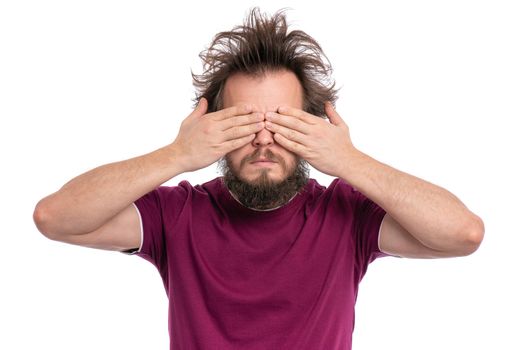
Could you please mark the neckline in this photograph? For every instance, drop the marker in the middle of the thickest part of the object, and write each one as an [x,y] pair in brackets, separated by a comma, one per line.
[260,210]
[294,202]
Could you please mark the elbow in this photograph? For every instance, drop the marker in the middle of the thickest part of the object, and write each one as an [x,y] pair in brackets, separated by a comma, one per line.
[42,220]
[473,235]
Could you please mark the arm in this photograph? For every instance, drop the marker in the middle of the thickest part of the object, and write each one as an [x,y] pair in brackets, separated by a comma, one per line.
[89,200]
[422,220]
[95,209]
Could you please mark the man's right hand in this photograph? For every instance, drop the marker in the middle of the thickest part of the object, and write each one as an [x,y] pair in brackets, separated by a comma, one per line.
[205,138]
[95,208]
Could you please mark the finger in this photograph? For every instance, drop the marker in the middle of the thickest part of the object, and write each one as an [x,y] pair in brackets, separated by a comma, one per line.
[332,114]
[298,113]
[232,145]
[231,112]
[240,120]
[290,122]
[241,131]
[291,146]
[288,133]
[200,109]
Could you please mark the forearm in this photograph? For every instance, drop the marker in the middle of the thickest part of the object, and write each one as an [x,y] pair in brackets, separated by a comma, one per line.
[89,200]
[433,215]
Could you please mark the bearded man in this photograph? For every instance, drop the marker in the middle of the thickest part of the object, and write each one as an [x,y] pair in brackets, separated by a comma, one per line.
[262,257]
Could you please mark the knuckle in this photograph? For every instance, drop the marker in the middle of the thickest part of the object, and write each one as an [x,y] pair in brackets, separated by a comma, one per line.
[237,120]
[231,122]
[236,143]
[243,109]
[247,119]
[254,117]
[235,132]
[207,130]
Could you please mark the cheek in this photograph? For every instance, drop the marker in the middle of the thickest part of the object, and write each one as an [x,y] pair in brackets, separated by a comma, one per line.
[291,158]
[235,157]
[291,162]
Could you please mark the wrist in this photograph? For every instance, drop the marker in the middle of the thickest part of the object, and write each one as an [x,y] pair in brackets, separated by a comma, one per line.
[353,164]
[174,159]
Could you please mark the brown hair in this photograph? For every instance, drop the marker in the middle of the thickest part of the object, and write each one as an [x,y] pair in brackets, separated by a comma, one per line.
[264,45]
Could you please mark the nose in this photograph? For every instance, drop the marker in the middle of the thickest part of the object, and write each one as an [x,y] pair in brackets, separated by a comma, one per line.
[263,138]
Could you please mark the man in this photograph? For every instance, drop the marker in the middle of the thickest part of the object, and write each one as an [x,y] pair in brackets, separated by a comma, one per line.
[263,257]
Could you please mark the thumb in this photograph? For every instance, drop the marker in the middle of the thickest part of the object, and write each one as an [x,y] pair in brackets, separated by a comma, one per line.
[332,114]
[201,108]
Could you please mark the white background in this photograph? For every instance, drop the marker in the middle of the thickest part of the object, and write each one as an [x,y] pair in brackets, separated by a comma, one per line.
[433,88]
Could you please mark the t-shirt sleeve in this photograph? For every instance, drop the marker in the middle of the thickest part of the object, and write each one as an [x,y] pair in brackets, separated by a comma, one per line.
[150,212]
[368,217]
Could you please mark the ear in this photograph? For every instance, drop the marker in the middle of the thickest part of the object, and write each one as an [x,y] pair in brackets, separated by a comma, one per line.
[333,116]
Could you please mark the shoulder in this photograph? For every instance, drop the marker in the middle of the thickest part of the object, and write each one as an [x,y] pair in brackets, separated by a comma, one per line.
[167,196]
[338,195]
[185,188]
[337,188]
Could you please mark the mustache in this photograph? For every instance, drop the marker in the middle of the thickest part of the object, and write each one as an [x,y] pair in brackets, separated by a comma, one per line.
[268,155]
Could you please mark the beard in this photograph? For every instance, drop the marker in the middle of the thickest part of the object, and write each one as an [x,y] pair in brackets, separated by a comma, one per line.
[265,193]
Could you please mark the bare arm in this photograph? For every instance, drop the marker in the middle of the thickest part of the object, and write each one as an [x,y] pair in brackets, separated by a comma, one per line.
[95,209]
[422,221]
[89,200]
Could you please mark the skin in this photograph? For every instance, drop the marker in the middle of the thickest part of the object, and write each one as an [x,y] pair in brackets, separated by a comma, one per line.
[95,209]
[265,94]
[422,221]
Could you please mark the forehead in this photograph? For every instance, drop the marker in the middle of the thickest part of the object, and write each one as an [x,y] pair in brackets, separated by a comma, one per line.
[265,92]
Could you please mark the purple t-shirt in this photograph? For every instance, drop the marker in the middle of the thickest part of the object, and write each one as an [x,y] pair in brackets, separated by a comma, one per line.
[238,278]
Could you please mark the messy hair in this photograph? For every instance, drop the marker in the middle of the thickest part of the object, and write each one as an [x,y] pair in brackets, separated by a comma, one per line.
[263,45]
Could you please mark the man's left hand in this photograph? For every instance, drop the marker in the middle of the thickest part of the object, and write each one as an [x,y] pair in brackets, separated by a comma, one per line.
[325,145]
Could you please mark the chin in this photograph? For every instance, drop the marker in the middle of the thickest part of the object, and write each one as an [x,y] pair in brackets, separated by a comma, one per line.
[264,177]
